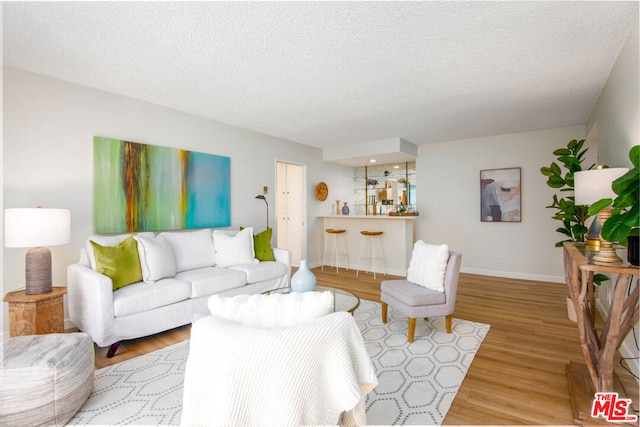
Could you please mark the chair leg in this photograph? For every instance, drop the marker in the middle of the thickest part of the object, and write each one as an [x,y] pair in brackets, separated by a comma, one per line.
[384,311]
[448,323]
[412,328]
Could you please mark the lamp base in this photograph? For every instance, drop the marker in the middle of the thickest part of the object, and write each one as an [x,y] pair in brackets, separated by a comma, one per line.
[607,255]
[38,271]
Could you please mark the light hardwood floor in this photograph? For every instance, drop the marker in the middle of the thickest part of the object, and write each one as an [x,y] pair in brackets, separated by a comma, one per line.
[518,374]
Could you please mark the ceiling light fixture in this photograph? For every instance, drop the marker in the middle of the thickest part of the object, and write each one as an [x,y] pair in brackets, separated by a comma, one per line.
[372,161]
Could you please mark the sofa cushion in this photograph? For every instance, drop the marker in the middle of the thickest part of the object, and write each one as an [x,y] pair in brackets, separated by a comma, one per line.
[233,250]
[211,280]
[191,249]
[156,258]
[109,240]
[412,294]
[272,310]
[120,262]
[428,264]
[143,296]
[261,271]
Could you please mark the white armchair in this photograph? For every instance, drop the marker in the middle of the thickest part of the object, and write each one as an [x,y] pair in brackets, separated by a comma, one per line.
[314,373]
[422,300]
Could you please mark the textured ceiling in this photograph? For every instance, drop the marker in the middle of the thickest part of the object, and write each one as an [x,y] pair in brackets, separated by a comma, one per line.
[327,74]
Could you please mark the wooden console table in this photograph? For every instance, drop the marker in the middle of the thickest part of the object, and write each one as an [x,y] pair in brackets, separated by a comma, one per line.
[599,348]
[36,314]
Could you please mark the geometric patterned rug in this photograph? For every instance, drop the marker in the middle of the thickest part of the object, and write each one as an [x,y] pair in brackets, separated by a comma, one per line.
[417,381]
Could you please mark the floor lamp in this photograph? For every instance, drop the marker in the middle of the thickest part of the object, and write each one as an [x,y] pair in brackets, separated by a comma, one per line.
[591,186]
[260,196]
[37,228]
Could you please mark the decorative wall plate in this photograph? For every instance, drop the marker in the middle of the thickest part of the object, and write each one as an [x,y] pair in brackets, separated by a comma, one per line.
[322,191]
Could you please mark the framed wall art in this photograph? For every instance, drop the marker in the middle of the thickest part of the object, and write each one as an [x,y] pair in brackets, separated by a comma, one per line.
[141,187]
[500,195]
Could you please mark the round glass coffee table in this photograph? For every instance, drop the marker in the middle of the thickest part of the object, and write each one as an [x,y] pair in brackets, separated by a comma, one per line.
[342,300]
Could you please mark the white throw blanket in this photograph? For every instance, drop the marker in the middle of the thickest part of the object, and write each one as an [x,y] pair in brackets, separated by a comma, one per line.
[315,373]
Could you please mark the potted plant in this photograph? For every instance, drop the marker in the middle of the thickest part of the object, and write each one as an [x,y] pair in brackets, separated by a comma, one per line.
[571,216]
[623,225]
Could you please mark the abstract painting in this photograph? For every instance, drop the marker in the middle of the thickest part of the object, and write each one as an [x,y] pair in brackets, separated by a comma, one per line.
[500,195]
[141,187]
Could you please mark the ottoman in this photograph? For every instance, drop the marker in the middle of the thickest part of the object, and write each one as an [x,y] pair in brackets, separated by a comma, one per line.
[45,379]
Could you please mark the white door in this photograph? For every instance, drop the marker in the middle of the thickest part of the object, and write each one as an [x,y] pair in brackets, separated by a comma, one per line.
[290,209]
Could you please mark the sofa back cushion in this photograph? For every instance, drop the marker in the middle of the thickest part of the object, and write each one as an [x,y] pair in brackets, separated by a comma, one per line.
[191,249]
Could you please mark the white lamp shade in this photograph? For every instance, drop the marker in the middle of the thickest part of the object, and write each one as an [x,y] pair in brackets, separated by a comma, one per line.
[31,227]
[593,185]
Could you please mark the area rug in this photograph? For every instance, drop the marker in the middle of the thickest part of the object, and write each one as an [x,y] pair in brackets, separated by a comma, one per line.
[417,381]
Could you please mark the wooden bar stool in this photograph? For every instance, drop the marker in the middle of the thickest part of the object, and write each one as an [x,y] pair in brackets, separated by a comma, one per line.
[335,238]
[371,247]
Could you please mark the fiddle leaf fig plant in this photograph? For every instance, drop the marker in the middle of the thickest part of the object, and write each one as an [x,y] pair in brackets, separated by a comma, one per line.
[625,217]
[571,216]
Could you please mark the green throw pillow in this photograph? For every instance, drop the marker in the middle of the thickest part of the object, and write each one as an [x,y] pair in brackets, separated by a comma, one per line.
[262,245]
[121,262]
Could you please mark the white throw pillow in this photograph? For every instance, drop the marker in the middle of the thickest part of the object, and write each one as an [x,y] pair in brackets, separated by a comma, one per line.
[428,264]
[233,250]
[272,310]
[156,258]
[191,249]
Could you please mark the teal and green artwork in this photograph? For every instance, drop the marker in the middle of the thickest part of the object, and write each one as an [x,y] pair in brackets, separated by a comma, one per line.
[141,187]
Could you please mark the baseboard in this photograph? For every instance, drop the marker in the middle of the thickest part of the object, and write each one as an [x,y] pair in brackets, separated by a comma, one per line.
[514,275]
[390,271]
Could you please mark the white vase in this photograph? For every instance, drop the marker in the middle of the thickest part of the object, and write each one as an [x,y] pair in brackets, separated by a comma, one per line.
[303,280]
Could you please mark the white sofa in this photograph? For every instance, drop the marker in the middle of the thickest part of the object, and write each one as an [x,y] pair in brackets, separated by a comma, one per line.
[203,267]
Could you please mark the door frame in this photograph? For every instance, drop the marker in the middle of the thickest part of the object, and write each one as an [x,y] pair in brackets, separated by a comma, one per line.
[304,199]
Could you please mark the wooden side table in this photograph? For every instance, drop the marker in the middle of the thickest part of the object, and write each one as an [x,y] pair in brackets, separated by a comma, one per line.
[598,346]
[36,314]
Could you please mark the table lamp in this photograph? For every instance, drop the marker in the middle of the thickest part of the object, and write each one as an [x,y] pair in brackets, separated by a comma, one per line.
[591,186]
[37,228]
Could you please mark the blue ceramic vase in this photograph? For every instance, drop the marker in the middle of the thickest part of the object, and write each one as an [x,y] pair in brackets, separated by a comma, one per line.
[303,280]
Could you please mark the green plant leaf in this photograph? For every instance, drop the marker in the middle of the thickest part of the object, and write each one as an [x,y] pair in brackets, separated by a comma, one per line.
[577,146]
[579,229]
[615,230]
[562,152]
[634,156]
[598,206]
[555,169]
[599,278]
[555,182]
[545,171]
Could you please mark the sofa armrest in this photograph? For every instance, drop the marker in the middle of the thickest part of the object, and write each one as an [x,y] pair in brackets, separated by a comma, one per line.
[90,303]
[284,256]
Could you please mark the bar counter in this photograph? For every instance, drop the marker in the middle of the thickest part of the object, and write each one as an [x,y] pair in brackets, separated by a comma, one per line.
[397,240]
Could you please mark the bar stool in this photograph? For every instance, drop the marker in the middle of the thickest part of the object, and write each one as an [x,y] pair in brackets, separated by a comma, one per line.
[339,247]
[370,244]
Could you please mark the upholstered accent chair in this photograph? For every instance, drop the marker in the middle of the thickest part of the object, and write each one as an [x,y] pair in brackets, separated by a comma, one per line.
[418,301]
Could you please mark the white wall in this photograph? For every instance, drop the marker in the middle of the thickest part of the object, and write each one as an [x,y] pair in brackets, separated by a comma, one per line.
[615,121]
[49,127]
[616,113]
[448,185]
